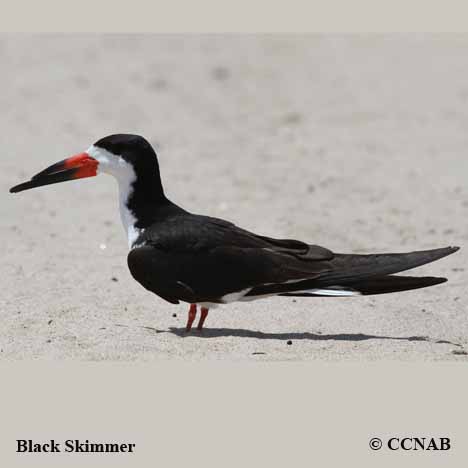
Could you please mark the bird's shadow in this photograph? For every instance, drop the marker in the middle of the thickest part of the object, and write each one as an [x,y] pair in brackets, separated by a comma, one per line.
[242,333]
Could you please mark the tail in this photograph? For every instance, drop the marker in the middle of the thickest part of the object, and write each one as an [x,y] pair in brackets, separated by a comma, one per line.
[347,269]
[371,286]
[354,275]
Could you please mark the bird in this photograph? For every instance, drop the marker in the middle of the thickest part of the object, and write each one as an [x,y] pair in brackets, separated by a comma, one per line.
[206,261]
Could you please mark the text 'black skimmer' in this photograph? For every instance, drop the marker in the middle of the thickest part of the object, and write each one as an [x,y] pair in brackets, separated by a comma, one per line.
[205,261]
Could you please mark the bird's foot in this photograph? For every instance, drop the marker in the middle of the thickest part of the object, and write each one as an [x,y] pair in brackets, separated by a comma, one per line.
[203,315]
[192,313]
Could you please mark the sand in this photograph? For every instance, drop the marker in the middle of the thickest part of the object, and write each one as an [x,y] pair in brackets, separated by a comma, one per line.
[355,143]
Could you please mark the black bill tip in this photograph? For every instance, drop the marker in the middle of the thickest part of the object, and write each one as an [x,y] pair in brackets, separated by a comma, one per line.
[18,188]
[46,179]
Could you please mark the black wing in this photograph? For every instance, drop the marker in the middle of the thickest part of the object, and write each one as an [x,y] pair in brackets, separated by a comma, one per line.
[201,259]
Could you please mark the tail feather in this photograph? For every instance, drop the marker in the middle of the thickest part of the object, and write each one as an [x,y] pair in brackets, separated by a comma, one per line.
[372,286]
[348,268]
[352,275]
[389,284]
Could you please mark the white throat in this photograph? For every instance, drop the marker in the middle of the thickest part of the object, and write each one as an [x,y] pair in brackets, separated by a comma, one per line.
[115,165]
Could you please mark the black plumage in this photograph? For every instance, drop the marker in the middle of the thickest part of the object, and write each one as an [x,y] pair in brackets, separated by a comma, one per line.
[196,259]
[181,256]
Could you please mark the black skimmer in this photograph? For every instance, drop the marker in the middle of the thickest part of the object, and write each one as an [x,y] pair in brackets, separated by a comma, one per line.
[205,261]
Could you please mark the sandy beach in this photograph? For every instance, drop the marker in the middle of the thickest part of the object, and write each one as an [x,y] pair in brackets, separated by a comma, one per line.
[356,143]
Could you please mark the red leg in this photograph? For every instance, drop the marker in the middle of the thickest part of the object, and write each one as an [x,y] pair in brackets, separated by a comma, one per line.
[204,314]
[192,313]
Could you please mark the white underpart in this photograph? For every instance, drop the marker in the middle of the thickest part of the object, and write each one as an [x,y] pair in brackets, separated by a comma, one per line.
[241,296]
[288,281]
[208,305]
[114,165]
[313,292]
[330,292]
[226,299]
[235,296]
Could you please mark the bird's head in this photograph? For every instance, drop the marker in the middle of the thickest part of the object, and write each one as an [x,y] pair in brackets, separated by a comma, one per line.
[124,156]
